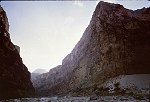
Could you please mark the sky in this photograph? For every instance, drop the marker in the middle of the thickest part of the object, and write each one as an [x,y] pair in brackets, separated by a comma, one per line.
[47,31]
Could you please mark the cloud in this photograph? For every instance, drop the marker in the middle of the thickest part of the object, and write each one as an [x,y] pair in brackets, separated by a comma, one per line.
[68,20]
[111,1]
[78,3]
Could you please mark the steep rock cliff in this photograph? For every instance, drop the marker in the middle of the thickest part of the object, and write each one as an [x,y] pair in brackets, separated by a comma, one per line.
[116,42]
[14,75]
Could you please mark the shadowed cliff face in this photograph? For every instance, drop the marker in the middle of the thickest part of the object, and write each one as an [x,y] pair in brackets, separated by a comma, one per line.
[14,75]
[116,42]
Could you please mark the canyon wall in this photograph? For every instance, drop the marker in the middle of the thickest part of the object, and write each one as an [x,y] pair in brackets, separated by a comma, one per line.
[116,42]
[14,75]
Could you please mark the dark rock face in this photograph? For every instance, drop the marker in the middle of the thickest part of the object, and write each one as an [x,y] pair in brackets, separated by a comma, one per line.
[116,42]
[14,75]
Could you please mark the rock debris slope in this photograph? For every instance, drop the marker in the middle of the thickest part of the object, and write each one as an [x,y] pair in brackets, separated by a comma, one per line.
[116,42]
[14,75]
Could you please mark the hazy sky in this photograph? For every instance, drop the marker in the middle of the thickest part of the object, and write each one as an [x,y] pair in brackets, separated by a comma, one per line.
[47,31]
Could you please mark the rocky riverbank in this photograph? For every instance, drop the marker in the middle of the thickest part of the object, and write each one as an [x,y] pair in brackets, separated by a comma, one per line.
[82,99]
